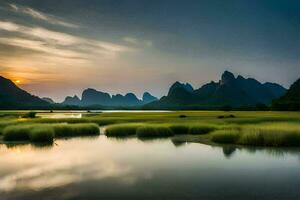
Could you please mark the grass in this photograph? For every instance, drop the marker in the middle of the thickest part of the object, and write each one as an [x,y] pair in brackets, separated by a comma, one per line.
[276,136]
[121,130]
[245,128]
[17,133]
[154,131]
[201,129]
[42,134]
[73,130]
[179,128]
[272,134]
[47,132]
[229,136]
[29,115]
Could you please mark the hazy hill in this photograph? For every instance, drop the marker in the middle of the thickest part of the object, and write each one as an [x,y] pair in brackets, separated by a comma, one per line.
[74,101]
[148,98]
[229,91]
[49,100]
[92,97]
[11,96]
[291,100]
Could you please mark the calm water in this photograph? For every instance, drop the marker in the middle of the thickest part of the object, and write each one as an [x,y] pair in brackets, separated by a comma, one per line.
[79,114]
[102,168]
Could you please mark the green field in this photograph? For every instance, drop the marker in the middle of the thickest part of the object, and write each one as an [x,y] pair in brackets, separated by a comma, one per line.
[212,127]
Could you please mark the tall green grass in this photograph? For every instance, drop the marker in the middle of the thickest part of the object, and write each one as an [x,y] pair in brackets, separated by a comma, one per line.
[121,130]
[17,132]
[201,129]
[42,134]
[72,130]
[247,128]
[272,134]
[229,136]
[154,131]
[268,136]
[180,128]
[47,132]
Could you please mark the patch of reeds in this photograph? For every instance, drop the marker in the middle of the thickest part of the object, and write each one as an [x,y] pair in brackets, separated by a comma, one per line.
[121,130]
[73,130]
[201,129]
[229,136]
[154,131]
[47,132]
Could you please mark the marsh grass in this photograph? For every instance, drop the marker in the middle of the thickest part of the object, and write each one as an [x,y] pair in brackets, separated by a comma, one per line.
[271,136]
[201,129]
[47,132]
[255,128]
[180,128]
[17,133]
[122,130]
[229,136]
[73,130]
[5,124]
[42,134]
[29,115]
[158,131]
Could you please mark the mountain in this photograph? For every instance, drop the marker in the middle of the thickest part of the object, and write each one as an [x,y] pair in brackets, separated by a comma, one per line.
[177,85]
[229,91]
[72,101]
[49,100]
[289,101]
[11,96]
[92,97]
[128,100]
[148,98]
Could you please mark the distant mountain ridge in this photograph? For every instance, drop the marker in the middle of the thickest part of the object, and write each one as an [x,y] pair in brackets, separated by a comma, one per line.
[289,101]
[12,97]
[92,97]
[49,100]
[229,91]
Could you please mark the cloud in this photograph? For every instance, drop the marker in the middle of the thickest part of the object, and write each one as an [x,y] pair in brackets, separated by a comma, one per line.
[39,46]
[131,40]
[136,41]
[58,43]
[40,15]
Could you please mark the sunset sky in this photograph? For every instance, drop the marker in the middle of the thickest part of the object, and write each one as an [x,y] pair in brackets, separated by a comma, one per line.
[56,48]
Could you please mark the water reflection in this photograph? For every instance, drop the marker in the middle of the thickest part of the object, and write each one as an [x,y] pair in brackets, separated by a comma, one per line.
[60,115]
[178,143]
[101,167]
[228,151]
[92,113]
[34,145]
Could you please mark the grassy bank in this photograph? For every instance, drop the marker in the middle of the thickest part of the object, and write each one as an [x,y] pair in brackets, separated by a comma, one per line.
[147,131]
[47,132]
[273,134]
[241,128]
[122,130]
[157,129]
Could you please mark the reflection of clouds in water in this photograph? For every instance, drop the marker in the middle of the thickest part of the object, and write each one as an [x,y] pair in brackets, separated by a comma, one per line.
[54,168]
[60,115]
[59,174]
[107,168]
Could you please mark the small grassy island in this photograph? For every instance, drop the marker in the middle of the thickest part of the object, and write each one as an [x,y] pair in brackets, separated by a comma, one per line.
[276,129]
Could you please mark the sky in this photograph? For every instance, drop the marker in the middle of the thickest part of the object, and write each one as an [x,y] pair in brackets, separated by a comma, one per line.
[56,48]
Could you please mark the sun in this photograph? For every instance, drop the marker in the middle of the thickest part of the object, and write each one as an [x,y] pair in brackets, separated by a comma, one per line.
[17,81]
